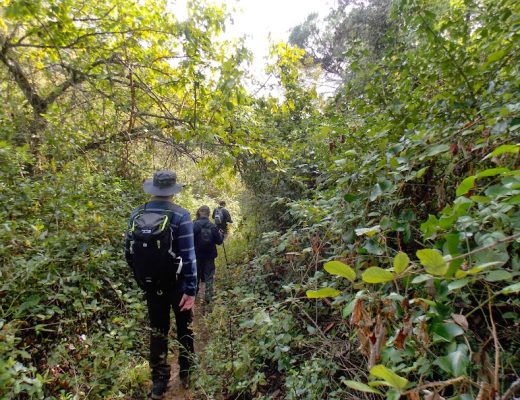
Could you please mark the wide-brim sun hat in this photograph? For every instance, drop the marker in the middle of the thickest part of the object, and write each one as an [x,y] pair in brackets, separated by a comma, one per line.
[163,183]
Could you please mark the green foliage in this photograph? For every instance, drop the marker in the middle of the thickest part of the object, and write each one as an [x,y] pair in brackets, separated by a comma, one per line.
[321,293]
[68,304]
[361,387]
[394,380]
[433,261]
[92,76]
[407,178]
[401,262]
[340,269]
[376,275]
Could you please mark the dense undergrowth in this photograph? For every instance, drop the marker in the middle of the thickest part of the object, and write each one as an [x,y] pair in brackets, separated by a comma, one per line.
[72,321]
[393,267]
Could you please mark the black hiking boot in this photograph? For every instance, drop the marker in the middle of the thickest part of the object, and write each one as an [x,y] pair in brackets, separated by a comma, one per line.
[159,388]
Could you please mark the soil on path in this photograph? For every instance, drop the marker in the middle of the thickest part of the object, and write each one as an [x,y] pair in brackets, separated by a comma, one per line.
[176,391]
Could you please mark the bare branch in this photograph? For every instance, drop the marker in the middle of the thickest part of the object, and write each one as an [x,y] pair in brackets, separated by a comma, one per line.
[513,389]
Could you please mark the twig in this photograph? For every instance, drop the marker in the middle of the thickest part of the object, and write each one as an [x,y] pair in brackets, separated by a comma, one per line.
[497,346]
[515,386]
[313,322]
[489,246]
[441,384]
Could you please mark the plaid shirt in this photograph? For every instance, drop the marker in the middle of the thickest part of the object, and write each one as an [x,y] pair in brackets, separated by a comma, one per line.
[183,244]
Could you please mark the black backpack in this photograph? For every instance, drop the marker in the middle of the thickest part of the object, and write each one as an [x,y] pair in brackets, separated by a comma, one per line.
[205,237]
[154,262]
[218,216]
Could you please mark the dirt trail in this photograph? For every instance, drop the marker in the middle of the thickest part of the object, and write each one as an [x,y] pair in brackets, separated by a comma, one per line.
[176,391]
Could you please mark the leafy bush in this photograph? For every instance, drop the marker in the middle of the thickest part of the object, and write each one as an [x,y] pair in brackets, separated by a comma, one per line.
[71,315]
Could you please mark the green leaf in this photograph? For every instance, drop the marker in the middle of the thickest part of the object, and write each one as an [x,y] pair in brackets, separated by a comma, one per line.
[465,186]
[457,284]
[421,278]
[376,192]
[491,172]
[447,331]
[481,199]
[514,200]
[499,275]
[440,148]
[347,310]
[421,172]
[505,148]
[377,275]
[379,383]
[350,197]
[322,293]
[430,226]
[497,55]
[340,269]
[432,261]
[514,288]
[401,261]
[360,386]
[380,371]
[479,268]
[431,303]
[455,363]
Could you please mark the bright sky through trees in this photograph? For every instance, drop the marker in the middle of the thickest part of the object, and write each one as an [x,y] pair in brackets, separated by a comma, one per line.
[264,22]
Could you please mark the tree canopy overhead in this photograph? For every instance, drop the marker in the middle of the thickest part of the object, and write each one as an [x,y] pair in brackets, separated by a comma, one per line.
[94,74]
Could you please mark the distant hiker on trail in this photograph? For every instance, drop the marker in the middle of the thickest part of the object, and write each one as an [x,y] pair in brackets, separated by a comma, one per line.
[160,251]
[207,236]
[222,217]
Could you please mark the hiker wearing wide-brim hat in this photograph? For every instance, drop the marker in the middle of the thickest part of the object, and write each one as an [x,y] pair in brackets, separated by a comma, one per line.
[163,183]
[160,251]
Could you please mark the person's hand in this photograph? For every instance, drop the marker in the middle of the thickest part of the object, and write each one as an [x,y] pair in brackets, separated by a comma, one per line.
[187,302]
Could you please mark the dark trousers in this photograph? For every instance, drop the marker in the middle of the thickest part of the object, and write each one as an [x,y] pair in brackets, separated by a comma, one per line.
[206,273]
[159,314]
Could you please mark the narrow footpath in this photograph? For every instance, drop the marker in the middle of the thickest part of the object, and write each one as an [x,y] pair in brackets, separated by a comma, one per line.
[176,391]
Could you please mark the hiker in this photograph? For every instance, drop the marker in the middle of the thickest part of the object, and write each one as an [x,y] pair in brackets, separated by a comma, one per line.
[222,217]
[160,251]
[207,236]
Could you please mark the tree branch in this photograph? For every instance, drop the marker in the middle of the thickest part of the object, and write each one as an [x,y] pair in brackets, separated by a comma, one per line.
[489,246]
[515,387]
[154,133]
[20,77]
[120,137]
[76,77]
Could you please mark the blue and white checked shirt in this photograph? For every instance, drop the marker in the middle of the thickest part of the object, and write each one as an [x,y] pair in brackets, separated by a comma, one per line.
[183,245]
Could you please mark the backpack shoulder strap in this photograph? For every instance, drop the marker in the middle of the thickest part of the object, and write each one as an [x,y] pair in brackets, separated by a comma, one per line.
[136,213]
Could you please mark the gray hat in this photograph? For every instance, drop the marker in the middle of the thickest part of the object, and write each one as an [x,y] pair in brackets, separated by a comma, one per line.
[163,183]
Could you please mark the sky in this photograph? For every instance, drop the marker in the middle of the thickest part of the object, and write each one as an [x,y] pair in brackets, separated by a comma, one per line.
[260,20]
